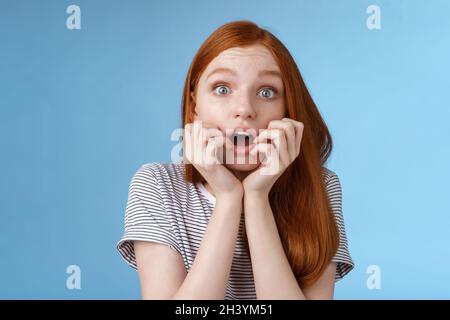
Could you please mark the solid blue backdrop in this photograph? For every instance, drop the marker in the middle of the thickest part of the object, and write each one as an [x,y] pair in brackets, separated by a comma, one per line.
[81,110]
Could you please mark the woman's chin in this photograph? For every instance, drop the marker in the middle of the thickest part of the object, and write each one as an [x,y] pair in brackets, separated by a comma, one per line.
[242,161]
[242,166]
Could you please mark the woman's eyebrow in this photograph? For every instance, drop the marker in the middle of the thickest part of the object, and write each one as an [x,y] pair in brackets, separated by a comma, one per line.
[275,73]
[223,70]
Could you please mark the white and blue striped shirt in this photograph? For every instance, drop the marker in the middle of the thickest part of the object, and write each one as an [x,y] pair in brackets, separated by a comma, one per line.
[162,207]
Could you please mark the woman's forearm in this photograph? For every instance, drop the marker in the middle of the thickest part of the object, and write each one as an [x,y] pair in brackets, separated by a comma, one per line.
[208,276]
[272,272]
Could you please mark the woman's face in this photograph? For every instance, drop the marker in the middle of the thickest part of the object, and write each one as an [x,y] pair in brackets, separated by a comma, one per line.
[240,88]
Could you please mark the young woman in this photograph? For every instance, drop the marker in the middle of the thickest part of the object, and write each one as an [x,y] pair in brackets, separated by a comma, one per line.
[220,227]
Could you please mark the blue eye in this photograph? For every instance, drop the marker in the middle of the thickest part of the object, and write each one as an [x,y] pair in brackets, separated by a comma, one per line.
[268,93]
[221,90]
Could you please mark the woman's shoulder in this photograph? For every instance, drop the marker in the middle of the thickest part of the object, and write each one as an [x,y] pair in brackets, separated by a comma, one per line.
[168,178]
[329,176]
[162,170]
[332,186]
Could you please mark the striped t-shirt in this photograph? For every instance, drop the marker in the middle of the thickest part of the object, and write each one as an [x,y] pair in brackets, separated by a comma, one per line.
[163,207]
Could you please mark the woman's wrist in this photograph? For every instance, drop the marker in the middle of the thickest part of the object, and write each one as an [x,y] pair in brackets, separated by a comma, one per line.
[256,196]
[230,197]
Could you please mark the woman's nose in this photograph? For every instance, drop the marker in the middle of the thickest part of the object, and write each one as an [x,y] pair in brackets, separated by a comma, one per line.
[243,108]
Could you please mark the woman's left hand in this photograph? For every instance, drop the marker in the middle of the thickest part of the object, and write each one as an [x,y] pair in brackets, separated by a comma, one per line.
[280,152]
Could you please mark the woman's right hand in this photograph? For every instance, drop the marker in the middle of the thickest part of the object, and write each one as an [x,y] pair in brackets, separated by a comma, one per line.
[202,142]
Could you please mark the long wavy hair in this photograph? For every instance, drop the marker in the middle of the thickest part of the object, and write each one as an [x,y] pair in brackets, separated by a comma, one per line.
[298,198]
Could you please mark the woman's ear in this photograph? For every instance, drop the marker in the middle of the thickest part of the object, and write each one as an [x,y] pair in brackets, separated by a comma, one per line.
[193,105]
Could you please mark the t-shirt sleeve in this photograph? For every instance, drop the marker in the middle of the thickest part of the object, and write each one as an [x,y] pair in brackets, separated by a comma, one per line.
[146,217]
[342,257]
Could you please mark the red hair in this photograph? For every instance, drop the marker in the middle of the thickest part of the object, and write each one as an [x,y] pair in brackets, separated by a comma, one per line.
[298,199]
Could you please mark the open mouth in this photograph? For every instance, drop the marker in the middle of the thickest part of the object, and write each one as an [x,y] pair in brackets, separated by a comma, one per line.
[242,143]
[242,139]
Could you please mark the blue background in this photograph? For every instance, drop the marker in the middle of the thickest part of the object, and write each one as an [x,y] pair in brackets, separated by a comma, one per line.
[81,110]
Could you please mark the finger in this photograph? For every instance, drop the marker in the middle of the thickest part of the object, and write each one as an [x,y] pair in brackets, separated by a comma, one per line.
[202,132]
[227,152]
[267,149]
[211,150]
[215,147]
[291,136]
[222,140]
[270,160]
[289,132]
[210,133]
[264,136]
[297,124]
[280,144]
[278,138]
[209,128]
[212,139]
[299,127]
